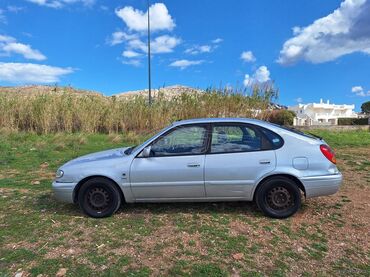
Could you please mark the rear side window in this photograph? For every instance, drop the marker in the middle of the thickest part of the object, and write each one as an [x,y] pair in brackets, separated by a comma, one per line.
[238,138]
[275,140]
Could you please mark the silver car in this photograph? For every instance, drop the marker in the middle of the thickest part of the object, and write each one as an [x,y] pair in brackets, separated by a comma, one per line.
[214,159]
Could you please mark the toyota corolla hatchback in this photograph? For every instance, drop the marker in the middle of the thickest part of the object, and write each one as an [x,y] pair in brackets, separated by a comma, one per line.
[228,159]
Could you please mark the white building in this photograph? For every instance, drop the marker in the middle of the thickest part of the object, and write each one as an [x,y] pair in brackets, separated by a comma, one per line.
[321,113]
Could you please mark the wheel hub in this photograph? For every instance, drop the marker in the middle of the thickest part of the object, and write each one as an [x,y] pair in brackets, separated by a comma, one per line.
[98,198]
[279,198]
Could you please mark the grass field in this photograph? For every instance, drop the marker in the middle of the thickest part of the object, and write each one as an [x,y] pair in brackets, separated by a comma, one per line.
[41,237]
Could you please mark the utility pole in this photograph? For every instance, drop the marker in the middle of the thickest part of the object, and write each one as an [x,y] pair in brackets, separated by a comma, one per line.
[149,58]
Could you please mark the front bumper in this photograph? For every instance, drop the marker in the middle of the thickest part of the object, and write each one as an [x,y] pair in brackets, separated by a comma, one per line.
[321,185]
[64,191]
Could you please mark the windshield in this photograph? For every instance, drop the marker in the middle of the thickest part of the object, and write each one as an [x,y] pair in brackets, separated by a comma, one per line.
[132,149]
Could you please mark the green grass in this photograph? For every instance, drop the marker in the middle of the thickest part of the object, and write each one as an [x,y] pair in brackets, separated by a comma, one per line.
[40,236]
[359,138]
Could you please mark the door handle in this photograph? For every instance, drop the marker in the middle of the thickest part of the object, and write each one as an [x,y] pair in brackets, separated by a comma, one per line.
[265,161]
[193,165]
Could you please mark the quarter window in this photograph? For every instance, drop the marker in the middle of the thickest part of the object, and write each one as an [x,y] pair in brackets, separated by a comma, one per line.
[182,141]
[238,138]
[274,138]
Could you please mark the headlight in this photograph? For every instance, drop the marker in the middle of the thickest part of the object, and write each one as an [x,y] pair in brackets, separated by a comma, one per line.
[59,173]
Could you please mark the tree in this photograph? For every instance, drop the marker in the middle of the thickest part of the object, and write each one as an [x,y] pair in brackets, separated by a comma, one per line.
[365,107]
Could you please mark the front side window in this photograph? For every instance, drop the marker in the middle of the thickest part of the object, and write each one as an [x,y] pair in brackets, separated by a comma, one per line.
[235,138]
[182,141]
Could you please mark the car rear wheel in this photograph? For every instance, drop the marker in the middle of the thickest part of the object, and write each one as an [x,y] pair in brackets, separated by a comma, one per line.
[99,197]
[278,197]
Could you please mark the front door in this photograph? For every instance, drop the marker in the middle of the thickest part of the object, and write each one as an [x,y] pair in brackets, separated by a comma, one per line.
[239,155]
[175,168]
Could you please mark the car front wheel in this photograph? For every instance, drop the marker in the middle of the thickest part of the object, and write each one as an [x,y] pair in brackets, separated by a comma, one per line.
[99,197]
[278,197]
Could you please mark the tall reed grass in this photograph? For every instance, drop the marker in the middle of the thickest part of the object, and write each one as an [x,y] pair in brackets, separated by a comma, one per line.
[91,113]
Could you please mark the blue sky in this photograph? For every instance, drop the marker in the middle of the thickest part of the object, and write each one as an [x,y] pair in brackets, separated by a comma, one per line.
[310,49]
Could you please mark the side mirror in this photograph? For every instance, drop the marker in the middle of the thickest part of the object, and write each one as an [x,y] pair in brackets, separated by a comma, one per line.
[146,152]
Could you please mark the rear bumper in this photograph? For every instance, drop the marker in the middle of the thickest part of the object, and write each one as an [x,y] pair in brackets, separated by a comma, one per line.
[64,191]
[322,185]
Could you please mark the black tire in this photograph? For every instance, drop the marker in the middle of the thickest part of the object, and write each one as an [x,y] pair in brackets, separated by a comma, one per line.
[99,197]
[278,197]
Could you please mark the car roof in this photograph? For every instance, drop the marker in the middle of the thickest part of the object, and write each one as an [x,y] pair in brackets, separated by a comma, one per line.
[224,119]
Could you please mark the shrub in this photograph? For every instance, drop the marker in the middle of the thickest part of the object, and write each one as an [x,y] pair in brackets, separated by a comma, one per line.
[282,117]
[365,107]
[353,121]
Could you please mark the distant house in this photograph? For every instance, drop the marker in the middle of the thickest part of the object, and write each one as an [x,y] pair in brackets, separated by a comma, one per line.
[321,113]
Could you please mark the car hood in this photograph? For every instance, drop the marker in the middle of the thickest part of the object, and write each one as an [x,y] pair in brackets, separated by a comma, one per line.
[111,154]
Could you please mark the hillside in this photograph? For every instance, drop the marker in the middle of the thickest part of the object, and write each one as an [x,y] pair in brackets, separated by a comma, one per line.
[167,92]
[42,89]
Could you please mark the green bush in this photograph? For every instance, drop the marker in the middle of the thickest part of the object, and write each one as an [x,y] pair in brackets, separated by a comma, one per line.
[353,121]
[282,117]
[365,107]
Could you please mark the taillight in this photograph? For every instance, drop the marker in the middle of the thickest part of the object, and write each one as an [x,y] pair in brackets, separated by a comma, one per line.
[328,153]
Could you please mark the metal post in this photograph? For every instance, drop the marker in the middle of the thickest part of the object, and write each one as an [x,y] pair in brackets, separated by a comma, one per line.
[149,58]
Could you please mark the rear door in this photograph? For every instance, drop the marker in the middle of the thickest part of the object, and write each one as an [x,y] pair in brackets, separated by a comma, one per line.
[239,155]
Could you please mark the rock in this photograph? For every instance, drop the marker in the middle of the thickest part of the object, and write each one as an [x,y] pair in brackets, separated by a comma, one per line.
[238,256]
[61,272]
[21,274]
[300,249]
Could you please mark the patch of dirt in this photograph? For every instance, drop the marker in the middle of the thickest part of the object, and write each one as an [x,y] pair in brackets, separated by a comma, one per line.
[62,252]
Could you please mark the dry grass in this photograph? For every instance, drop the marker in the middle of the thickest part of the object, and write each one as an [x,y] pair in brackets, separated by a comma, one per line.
[64,111]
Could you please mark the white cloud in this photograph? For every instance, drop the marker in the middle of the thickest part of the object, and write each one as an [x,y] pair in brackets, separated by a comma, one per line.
[31,73]
[137,20]
[299,100]
[342,32]
[137,44]
[217,40]
[120,37]
[198,49]
[261,75]
[161,44]
[61,3]
[130,54]
[24,50]
[134,36]
[9,45]
[359,91]
[247,56]
[2,17]
[164,44]
[133,62]
[182,64]
[14,9]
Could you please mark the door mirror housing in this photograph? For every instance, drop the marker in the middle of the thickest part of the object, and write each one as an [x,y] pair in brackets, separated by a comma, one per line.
[147,151]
